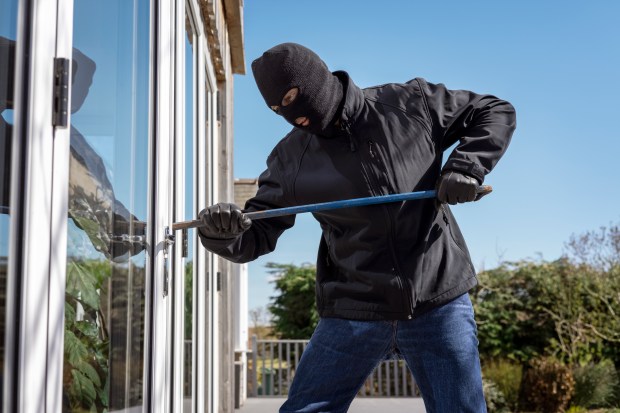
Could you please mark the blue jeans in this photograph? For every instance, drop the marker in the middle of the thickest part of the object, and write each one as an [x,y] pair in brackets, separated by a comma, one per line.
[440,348]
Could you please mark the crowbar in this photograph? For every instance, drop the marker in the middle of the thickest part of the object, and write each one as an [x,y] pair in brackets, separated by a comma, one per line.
[324,206]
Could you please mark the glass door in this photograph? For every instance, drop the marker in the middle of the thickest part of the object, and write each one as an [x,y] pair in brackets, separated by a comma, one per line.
[8,22]
[106,274]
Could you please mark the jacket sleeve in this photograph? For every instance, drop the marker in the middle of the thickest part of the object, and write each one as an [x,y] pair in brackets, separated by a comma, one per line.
[262,236]
[482,124]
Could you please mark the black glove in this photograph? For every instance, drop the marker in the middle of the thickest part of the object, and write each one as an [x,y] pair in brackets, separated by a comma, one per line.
[454,187]
[223,221]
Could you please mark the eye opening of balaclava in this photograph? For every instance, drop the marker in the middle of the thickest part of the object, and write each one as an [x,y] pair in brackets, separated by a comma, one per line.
[290,65]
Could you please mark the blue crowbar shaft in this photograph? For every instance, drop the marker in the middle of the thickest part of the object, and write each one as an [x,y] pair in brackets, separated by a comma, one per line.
[324,206]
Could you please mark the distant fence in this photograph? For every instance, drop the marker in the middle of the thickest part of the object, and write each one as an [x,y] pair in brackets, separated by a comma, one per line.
[272,365]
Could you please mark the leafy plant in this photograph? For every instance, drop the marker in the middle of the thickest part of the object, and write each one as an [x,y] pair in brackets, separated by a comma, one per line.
[596,385]
[496,403]
[86,347]
[506,376]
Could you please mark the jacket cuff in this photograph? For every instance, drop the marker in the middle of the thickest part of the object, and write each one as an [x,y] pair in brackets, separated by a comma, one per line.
[466,167]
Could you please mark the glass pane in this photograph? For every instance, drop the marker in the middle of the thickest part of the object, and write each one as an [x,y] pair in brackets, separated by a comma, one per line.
[189,212]
[108,181]
[8,19]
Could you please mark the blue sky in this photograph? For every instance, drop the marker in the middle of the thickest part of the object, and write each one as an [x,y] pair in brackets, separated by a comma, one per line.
[555,61]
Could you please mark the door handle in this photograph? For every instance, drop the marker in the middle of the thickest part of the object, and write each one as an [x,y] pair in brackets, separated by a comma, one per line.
[169,239]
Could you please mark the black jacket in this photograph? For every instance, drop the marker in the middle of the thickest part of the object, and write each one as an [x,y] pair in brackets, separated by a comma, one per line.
[392,261]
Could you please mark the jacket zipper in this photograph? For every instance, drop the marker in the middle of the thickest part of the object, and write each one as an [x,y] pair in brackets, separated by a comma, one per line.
[401,281]
[347,128]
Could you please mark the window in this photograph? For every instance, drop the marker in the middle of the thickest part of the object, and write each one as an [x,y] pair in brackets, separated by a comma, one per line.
[108,197]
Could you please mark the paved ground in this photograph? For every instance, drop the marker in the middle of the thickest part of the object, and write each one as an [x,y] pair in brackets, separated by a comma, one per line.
[359,405]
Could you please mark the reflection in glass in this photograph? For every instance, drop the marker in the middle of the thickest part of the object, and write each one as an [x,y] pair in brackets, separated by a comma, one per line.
[8,19]
[189,212]
[106,251]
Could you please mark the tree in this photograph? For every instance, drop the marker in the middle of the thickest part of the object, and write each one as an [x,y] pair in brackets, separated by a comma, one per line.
[258,317]
[599,250]
[597,255]
[261,323]
[294,310]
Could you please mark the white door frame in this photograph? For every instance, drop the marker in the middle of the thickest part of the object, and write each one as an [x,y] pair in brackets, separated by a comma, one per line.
[206,375]
[37,243]
[159,358]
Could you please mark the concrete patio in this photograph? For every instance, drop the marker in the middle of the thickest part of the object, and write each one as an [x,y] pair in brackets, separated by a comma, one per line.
[359,405]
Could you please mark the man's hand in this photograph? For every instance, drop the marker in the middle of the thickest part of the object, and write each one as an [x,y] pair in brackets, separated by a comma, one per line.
[455,187]
[223,221]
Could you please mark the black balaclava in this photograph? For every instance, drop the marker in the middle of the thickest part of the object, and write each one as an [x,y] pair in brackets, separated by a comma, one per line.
[290,65]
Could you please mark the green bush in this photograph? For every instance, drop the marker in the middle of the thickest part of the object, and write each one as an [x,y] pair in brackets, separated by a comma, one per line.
[509,302]
[567,308]
[506,375]
[547,386]
[596,385]
[496,403]
[526,310]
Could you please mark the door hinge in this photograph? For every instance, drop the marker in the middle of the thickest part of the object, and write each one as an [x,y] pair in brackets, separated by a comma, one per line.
[60,113]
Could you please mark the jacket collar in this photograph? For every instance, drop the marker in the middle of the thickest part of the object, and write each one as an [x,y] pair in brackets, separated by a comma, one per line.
[353,98]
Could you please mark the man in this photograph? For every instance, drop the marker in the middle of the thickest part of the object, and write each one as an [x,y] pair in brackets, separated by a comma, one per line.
[392,279]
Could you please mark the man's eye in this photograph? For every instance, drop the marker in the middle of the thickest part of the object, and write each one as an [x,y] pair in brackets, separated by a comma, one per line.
[275,108]
[290,96]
